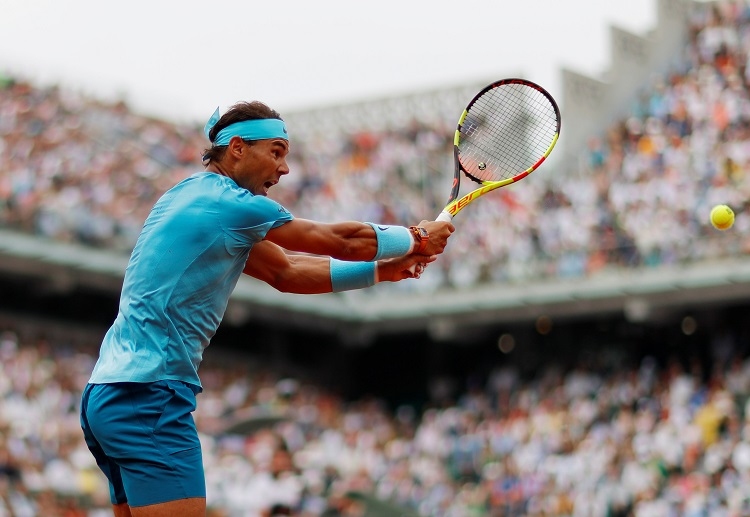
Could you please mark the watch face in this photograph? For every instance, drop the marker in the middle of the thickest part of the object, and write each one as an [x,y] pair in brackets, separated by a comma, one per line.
[420,233]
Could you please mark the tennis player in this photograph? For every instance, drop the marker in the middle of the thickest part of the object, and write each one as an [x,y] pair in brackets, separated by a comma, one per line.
[136,410]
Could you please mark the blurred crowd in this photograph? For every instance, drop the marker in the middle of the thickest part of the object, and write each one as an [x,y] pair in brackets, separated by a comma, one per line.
[605,437]
[81,170]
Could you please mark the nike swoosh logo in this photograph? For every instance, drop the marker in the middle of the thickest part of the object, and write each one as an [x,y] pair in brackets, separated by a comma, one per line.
[383,228]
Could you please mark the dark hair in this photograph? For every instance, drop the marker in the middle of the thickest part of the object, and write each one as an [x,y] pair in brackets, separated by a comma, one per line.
[237,113]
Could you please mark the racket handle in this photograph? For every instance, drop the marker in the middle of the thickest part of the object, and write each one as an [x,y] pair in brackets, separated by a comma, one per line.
[445,217]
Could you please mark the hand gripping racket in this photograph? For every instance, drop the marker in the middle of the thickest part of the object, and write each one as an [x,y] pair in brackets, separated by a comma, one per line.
[504,134]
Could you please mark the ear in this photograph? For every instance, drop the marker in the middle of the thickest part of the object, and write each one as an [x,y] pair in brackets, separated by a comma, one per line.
[236,147]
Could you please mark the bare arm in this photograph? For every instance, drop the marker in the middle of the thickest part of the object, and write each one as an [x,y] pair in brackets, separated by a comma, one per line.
[306,274]
[344,241]
[348,240]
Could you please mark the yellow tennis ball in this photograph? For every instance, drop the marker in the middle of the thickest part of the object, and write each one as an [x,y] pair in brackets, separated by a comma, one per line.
[722,217]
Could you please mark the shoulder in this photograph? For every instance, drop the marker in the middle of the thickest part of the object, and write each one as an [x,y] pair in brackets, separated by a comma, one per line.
[239,208]
[208,192]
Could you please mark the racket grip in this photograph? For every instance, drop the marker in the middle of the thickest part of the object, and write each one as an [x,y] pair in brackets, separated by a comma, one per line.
[445,217]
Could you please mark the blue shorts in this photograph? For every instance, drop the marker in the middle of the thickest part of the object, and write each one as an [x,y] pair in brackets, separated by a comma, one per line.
[144,439]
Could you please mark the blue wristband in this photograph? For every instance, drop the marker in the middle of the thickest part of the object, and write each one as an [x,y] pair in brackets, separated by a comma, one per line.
[346,276]
[393,241]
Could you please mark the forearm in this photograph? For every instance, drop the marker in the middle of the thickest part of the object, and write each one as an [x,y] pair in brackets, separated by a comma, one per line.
[390,242]
[297,274]
[308,274]
[312,276]
[354,241]
[351,241]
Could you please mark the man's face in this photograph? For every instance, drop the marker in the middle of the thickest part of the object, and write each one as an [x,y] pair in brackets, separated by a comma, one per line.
[262,165]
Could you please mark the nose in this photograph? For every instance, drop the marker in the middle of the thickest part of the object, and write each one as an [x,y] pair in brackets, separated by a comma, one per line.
[284,168]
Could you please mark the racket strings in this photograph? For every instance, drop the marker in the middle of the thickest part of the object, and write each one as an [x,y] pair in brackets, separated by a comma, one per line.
[506,131]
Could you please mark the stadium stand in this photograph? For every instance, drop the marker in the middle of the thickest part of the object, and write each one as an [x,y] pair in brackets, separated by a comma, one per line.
[83,172]
[618,434]
[607,436]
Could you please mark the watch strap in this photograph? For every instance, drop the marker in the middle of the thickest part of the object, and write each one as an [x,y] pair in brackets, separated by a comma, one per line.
[421,237]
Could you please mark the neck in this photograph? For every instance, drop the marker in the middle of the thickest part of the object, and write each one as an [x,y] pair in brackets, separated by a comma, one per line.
[217,168]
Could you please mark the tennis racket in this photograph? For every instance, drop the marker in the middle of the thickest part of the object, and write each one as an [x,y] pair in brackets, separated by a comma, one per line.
[505,133]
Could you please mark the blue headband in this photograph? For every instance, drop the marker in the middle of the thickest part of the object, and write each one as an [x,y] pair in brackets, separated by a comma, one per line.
[256,129]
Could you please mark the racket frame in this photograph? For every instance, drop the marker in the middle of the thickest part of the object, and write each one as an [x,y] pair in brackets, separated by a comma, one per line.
[456,204]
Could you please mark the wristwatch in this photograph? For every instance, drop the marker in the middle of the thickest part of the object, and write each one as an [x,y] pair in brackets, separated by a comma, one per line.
[421,236]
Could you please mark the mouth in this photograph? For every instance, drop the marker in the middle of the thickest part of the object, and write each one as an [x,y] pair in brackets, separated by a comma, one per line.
[268,184]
